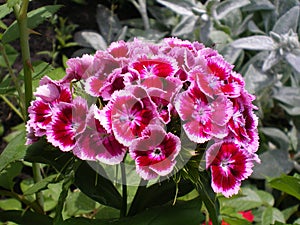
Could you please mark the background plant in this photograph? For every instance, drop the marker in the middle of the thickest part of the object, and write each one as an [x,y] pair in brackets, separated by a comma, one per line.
[260,37]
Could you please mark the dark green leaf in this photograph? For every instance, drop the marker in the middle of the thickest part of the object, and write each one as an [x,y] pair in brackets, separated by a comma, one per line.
[208,197]
[40,69]
[6,86]
[256,42]
[42,185]
[91,182]
[273,164]
[43,152]
[7,175]
[35,18]
[25,217]
[78,203]
[287,184]
[228,6]
[15,150]
[271,214]
[288,21]
[159,194]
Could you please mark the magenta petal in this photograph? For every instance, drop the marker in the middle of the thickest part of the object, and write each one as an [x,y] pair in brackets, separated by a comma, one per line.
[93,86]
[96,144]
[47,92]
[60,132]
[155,152]
[229,164]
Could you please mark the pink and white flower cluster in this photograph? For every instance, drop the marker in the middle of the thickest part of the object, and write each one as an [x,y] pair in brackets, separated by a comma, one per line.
[141,89]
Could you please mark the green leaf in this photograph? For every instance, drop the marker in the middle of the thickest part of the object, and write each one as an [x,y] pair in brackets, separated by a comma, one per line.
[40,69]
[270,215]
[288,212]
[288,21]
[289,97]
[246,200]
[43,152]
[273,164]
[5,10]
[35,18]
[42,185]
[6,86]
[208,197]
[15,150]
[25,217]
[266,198]
[90,181]
[9,173]
[287,184]
[78,203]
[57,73]
[10,204]
[159,194]
[228,6]
[12,55]
[255,42]
[12,3]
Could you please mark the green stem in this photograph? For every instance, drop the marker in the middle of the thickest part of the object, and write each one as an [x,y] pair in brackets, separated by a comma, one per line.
[123,210]
[6,100]
[137,197]
[21,198]
[21,15]
[16,82]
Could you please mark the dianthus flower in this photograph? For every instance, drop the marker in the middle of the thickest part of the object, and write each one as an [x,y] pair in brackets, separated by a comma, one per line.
[131,101]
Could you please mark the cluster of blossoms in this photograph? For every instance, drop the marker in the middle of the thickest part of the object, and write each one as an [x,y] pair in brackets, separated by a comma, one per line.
[140,89]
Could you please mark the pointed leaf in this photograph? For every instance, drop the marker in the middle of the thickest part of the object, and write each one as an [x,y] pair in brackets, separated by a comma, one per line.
[90,181]
[43,152]
[5,10]
[256,42]
[26,217]
[259,5]
[278,137]
[42,185]
[288,21]
[35,18]
[287,184]
[271,214]
[15,150]
[228,6]
[159,194]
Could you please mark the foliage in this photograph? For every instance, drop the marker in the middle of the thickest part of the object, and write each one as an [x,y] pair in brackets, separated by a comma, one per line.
[260,37]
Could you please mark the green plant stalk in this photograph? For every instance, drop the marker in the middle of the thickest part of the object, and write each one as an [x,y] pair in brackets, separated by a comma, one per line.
[123,210]
[6,100]
[21,15]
